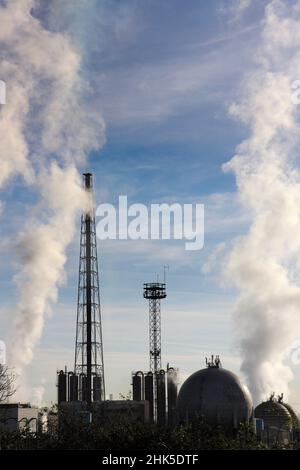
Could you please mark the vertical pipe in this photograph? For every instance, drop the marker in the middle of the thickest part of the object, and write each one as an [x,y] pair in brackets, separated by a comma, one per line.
[172,395]
[62,387]
[161,397]
[149,394]
[88,184]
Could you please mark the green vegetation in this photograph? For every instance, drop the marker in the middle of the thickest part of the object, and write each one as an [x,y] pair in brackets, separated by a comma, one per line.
[122,434]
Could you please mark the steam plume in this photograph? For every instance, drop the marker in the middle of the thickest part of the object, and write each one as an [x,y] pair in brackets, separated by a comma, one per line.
[46,132]
[264,264]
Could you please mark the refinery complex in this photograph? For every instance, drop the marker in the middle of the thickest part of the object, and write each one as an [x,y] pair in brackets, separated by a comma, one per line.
[212,393]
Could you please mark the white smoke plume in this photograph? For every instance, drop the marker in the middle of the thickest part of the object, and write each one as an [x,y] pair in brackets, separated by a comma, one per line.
[265,264]
[46,133]
[38,396]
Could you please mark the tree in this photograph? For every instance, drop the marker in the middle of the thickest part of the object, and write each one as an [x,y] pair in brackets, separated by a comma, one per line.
[7,383]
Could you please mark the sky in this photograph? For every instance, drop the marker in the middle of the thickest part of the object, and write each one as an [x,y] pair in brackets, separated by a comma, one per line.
[163,77]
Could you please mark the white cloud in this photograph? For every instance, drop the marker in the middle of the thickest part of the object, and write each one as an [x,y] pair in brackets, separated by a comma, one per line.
[234,9]
[239,7]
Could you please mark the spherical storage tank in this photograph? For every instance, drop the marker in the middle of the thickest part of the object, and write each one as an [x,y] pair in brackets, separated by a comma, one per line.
[277,414]
[294,417]
[215,394]
[273,414]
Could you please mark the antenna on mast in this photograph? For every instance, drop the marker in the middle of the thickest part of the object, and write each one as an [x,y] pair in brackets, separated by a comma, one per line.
[166,269]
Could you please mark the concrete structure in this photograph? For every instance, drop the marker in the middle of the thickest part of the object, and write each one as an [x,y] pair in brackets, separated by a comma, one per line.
[134,411]
[18,416]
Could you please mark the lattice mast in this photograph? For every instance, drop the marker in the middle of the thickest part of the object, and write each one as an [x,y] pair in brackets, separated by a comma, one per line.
[89,363]
[154,292]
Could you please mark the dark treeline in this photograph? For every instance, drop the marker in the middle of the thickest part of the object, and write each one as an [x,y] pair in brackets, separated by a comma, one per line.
[122,434]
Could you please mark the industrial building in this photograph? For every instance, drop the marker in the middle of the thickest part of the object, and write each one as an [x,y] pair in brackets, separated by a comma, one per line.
[18,417]
[134,411]
[104,411]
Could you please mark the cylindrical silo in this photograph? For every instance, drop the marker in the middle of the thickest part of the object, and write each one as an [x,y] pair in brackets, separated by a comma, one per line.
[138,386]
[149,394]
[83,387]
[73,387]
[62,387]
[97,392]
[161,397]
[172,395]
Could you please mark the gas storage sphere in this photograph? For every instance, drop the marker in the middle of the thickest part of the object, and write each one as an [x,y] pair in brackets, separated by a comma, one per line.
[277,414]
[217,395]
[274,414]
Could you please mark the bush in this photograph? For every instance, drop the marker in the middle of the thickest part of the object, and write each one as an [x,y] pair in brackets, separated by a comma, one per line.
[122,434]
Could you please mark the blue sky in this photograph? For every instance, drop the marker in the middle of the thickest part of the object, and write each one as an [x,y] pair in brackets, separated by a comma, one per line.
[163,75]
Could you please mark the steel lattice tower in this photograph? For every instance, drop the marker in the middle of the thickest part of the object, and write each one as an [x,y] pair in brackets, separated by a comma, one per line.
[154,292]
[89,363]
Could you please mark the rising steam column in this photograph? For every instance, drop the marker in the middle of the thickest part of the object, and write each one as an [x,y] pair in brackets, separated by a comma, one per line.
[89,365]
